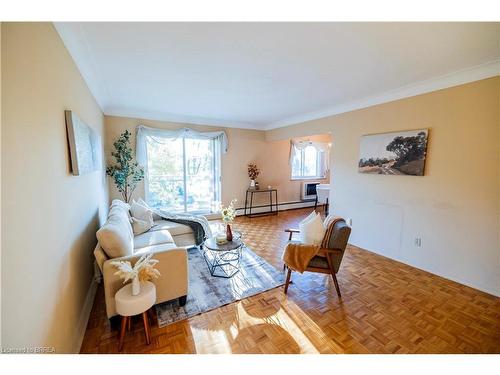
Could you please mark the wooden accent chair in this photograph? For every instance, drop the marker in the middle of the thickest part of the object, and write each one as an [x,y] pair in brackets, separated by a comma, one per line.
[328,259]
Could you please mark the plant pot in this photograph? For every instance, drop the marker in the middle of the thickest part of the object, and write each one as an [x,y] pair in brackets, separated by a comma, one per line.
[252,184]
[136,286]
[229,233]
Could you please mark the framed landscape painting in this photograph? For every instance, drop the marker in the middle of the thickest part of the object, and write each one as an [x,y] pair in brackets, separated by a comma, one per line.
[397,153]
[84,145]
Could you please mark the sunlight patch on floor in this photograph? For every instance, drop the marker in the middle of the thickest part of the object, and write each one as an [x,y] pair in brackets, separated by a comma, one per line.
[246,331]
[210,342]
[309,327]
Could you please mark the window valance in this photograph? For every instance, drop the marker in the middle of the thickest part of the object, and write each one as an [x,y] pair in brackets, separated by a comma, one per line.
[296,146]
[145,133]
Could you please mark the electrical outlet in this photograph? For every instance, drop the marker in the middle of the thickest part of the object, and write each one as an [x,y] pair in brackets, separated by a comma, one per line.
[418,242]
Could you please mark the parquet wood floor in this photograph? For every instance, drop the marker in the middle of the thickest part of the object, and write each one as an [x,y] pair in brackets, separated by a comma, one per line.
[386,307]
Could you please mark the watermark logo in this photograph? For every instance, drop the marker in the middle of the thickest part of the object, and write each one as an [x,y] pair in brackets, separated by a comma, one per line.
[29,350]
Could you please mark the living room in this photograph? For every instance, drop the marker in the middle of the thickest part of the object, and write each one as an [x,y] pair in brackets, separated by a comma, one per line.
[323,187]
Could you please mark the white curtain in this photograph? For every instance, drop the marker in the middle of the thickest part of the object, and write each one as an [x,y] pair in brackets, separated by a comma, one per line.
[145,134]
[296,146]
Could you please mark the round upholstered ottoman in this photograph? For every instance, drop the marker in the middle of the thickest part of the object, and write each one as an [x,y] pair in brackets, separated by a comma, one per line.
[128,305]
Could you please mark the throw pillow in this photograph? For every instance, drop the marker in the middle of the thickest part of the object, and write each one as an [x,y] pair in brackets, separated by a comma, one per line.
[312,231]
[140,226]
[141,212]
[143,203]
[310,217]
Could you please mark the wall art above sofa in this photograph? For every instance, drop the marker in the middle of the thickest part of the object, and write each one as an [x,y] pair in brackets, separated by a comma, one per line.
[84,145]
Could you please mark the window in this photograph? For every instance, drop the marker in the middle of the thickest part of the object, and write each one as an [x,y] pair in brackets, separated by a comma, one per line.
[308,162]
[182,174]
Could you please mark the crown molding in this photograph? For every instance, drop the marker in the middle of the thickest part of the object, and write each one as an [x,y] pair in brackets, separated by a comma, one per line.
[178,118]
[73,36]
[77,45]
[460,77]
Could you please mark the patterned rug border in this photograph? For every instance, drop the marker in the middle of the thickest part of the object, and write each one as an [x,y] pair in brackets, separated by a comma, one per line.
[280,284]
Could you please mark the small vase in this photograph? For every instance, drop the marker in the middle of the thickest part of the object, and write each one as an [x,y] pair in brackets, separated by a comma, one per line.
[252,184]
[136,286]
[229,233]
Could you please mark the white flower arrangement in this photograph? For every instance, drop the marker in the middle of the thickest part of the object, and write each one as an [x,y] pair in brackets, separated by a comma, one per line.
[143,269]
[228,213]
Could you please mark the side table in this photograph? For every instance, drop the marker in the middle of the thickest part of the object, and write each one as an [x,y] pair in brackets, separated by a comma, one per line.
[128,305]
[251,192]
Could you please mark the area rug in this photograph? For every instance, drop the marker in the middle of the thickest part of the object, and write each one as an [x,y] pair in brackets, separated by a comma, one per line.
[207,292]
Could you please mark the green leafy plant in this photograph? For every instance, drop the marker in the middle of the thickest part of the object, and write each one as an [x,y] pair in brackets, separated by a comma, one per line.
[126,173]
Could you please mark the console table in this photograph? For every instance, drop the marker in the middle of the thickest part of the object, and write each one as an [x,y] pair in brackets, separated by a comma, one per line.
[249,204]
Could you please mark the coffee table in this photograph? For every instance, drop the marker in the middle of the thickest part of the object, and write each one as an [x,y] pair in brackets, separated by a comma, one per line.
[223,260]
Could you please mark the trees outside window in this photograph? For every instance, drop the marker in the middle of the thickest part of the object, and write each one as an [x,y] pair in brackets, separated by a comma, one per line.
[182,175]
[307,163]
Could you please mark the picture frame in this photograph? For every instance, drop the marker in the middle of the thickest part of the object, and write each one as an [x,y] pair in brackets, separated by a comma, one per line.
[84,145]
[394,153]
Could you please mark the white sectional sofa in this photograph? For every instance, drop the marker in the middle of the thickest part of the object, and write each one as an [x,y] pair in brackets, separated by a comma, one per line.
[167,240]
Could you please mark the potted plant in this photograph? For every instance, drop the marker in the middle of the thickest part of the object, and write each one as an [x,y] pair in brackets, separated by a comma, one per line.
[126,173]
[253,173]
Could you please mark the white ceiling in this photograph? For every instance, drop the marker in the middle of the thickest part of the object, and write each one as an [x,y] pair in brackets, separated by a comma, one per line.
[267,75]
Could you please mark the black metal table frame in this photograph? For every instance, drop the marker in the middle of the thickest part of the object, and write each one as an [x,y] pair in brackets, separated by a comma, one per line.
[270,205]
[327,205]
[222,259]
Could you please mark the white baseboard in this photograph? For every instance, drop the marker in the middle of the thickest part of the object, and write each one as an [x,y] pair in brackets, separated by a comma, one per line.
[85,315]
[281,207]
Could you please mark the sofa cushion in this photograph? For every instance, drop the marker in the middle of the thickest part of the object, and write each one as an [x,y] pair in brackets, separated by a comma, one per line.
[175,229]
[120,203]
[151,238]
[115,236]
[100,256]
[155,248]
[123,214]
[185,240]
[319,262]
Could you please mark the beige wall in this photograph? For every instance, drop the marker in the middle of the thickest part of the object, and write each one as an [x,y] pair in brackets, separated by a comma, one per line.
[48,239]
[276,170]
[454,208]
[245,146]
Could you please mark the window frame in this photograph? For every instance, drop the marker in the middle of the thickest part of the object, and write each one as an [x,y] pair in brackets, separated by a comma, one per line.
[217,178]
[320,175]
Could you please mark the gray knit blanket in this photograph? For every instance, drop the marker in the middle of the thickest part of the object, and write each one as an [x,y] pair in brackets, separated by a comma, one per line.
[199,224]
